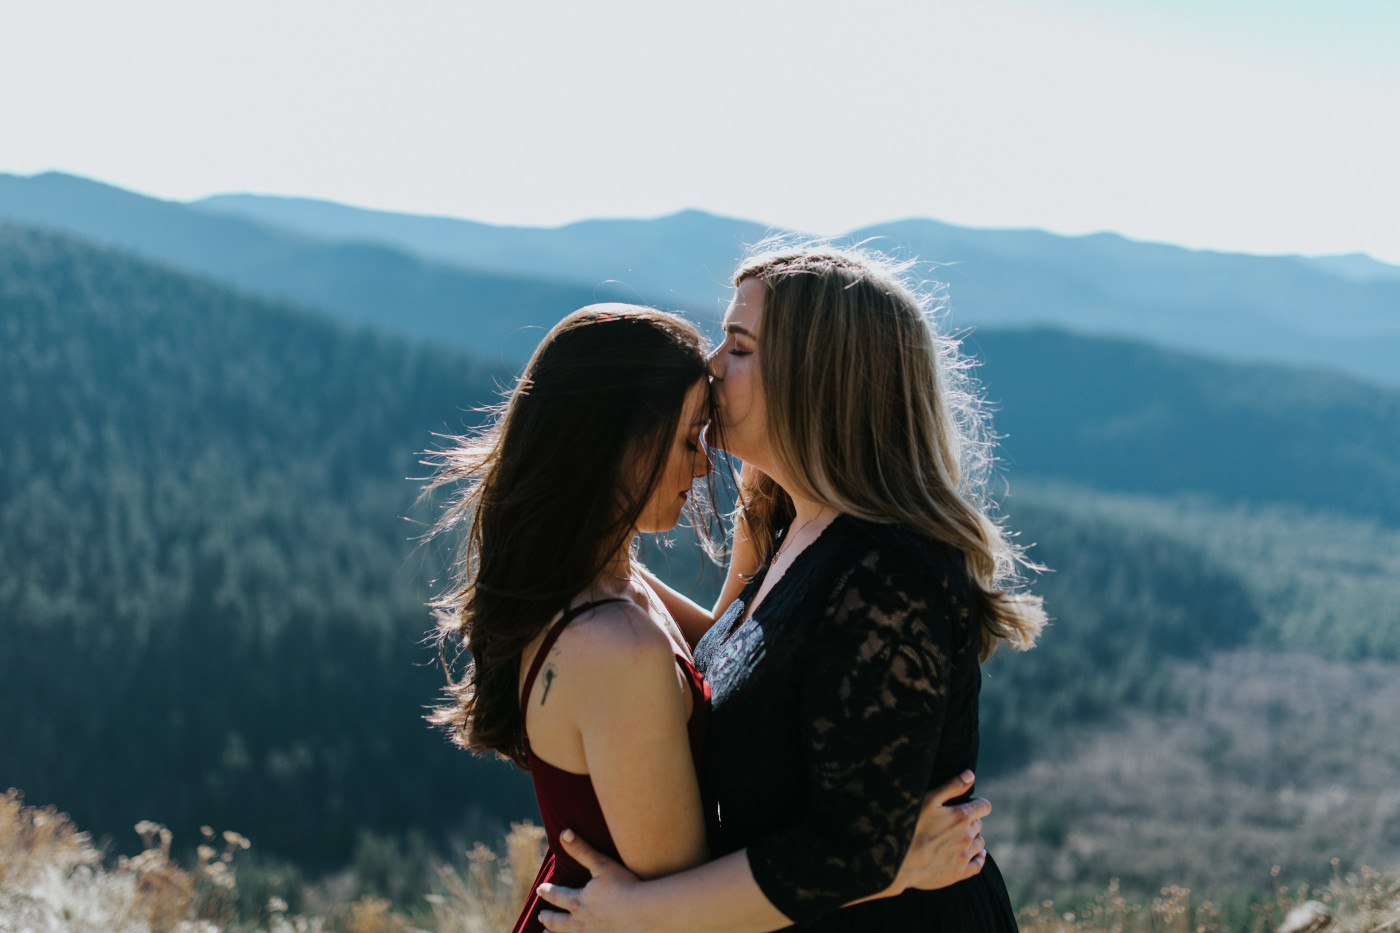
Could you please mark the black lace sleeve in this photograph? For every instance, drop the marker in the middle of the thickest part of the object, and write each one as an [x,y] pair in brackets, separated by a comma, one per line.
[873,692]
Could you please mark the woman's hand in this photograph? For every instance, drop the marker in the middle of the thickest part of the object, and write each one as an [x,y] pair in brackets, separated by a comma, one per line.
[948,846]
[606,903]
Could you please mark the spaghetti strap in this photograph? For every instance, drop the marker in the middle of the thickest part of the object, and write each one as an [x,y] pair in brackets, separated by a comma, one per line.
[554,632]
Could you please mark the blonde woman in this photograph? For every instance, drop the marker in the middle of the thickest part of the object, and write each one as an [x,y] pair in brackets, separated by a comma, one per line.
[844,676]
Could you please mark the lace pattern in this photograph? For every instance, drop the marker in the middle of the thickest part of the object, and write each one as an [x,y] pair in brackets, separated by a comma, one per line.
[836,694]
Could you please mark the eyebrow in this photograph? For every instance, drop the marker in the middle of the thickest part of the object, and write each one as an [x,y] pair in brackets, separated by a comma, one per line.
[737,329]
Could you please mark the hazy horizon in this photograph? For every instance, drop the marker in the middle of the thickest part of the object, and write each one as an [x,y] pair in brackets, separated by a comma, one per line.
[772,225]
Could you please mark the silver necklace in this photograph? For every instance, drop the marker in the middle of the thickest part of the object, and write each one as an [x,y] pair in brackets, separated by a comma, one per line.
[789,536]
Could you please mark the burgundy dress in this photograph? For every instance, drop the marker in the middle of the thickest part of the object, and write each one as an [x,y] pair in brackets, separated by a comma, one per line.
[567,800]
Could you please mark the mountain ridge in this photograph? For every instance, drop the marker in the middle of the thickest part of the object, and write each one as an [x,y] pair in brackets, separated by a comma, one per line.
[1341,314]
[362,283]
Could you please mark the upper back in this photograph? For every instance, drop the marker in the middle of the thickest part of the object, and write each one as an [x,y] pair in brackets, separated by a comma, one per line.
[584,658]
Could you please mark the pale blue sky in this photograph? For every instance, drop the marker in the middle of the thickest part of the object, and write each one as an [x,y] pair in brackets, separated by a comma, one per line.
[1233,124]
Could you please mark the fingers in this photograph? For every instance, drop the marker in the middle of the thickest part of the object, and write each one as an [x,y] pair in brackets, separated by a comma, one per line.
[975,810]
[559,896]
[556,922]
[582,852]
[953,788]
[975,858]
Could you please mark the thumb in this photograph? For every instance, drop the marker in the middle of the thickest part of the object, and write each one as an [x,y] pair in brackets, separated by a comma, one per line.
[955,787]
[582,852]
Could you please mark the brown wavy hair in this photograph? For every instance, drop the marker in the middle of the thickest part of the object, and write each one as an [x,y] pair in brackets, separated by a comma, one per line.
[546,495]
[871,410]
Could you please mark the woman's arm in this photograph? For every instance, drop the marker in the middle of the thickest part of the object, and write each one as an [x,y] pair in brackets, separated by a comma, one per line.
[718,897]
[724,898]
[693,619]
[616,678]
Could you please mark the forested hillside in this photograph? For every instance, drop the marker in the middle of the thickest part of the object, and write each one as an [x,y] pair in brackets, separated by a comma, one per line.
[211,604]
[1130,417]
[1123,600]
[1325,584]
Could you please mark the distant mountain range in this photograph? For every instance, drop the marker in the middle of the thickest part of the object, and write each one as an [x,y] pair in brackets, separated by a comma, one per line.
[1358,267]
[498,314]
[1340,312]
[684,260]
[487,287]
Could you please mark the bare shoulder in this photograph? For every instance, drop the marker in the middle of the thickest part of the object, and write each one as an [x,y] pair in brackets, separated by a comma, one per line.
[611,668]
[613,637]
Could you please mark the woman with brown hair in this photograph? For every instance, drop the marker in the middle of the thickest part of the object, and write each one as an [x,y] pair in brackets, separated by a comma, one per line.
[578,672]
[870,584]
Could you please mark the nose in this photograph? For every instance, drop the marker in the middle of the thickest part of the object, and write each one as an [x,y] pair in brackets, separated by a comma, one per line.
[716,362]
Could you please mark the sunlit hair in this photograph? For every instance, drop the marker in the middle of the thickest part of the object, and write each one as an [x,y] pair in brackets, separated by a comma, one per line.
[549,493]
[872,411]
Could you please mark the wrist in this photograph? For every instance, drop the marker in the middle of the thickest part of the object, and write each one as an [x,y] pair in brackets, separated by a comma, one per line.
[647,906]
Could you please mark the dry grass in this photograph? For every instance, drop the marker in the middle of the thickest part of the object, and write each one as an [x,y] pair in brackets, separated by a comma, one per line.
[488,896]
[51,879]
[34,842]
[1367,902]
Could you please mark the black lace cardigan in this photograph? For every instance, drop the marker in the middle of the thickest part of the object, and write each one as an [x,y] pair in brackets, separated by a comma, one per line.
[850,691]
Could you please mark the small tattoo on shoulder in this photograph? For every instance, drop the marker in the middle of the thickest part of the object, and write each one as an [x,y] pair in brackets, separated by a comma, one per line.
[548,682]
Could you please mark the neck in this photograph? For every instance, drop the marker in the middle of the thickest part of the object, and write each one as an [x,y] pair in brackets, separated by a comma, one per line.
[810,511]
[806,511]
[620,564]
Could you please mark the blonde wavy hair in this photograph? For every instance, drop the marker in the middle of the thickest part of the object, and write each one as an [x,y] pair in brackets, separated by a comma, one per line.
[872,410]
